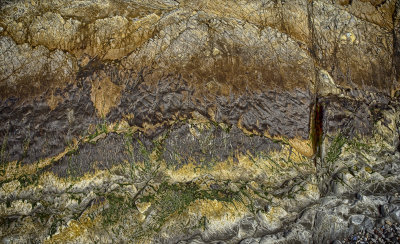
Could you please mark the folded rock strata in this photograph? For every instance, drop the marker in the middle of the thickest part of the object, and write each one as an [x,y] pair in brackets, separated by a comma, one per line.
[198,121]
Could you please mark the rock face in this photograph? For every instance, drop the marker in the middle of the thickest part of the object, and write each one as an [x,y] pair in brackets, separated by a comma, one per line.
[198,121]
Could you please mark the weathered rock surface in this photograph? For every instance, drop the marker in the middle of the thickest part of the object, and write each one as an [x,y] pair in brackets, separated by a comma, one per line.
[198,121]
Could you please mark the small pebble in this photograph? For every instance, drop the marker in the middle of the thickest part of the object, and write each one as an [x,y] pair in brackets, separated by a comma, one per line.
[385,232]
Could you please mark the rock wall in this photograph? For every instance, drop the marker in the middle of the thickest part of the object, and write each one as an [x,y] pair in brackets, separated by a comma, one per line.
[198,121]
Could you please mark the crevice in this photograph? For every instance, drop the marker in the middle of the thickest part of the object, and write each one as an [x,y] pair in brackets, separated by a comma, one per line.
[396,42]
[317,130]
[316,113]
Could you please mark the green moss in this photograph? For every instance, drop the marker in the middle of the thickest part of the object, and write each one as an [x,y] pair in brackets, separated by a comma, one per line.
[100,129]
[117,205]
[335,149]
[115,128]
[359,147]
[3,154]
[74,197]
[73,151]
[26,180]
[214,123]
[168,200]
[173,199]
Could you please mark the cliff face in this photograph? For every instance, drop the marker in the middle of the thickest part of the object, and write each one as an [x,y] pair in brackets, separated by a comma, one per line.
[197,121]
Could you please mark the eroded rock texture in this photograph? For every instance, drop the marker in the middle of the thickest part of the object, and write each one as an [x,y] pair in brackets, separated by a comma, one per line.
[198,121]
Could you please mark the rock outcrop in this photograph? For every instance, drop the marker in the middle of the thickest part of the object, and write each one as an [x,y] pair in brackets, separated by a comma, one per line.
[198,121]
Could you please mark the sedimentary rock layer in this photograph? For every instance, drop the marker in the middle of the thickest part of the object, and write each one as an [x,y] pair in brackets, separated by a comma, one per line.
[197,121]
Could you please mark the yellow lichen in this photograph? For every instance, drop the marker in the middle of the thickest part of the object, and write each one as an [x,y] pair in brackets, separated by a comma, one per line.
[348,38]
[368,169]
[18,207]
[246,166]
[14,169]
[143,206]
[215,210]
[11,186]
[73,230]
[302,146]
